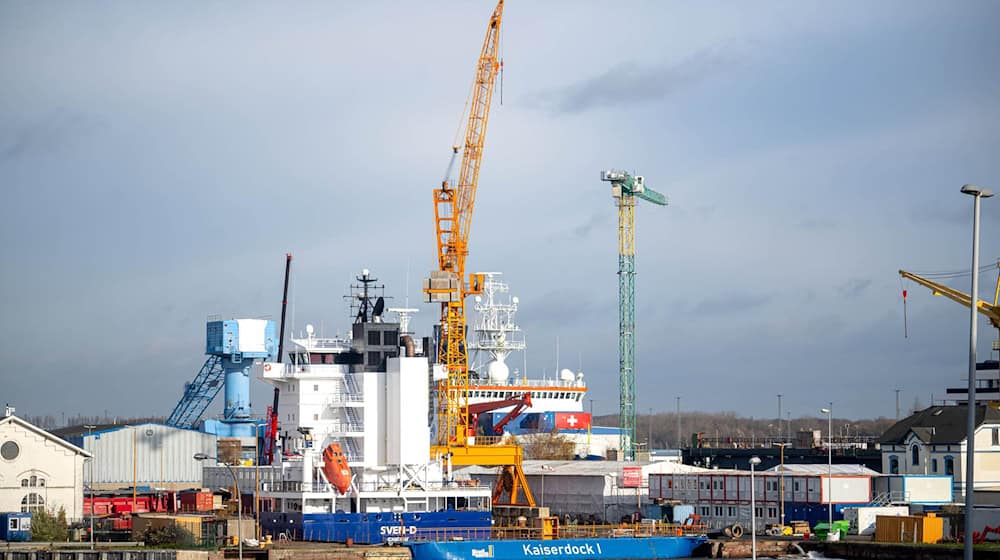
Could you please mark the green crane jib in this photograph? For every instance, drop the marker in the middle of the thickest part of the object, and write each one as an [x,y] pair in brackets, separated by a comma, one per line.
[624,188]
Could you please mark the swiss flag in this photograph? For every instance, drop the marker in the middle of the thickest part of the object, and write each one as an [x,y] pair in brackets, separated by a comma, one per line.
[572,420]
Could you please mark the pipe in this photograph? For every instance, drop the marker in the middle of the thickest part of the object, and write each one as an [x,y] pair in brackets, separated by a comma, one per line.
[407,342]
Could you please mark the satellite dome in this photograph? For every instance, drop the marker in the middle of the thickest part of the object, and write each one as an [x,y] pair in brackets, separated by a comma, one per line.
[497,371]
[566,375]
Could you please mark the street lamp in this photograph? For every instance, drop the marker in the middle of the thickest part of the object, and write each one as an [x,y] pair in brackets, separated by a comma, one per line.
[754,461]
[239,497]
[829,464]
[977,194]
[90,433]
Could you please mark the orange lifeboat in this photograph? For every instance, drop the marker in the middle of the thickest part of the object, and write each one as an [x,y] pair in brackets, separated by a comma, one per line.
[335,468]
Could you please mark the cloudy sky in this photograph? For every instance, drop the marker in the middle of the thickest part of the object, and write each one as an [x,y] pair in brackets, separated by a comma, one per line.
[157,160]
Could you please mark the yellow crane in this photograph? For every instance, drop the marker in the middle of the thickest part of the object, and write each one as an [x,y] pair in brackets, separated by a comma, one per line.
[453,204]
[991,311]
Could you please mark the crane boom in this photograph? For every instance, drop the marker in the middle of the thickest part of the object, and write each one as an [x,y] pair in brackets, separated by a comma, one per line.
[992,312]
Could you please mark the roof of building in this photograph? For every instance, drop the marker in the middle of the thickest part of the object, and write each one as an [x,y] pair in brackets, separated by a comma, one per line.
[814,469]
[47,435]
[588,468]
[938,424]
[78,431]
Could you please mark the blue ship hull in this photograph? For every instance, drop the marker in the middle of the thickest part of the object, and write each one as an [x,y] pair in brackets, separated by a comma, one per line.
[622,548]
[374,528]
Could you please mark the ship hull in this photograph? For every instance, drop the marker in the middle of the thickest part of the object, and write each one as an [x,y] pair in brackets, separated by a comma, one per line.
[622,548]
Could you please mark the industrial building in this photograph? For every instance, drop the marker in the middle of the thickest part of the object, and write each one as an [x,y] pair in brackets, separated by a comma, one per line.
[149,454]
[591,490]
[38,470]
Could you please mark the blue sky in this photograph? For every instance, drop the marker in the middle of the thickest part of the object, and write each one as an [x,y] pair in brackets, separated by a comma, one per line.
[158,160]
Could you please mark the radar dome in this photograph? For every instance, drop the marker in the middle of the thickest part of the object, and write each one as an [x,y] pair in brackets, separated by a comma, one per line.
[497,371]
[566,375]
[310,330]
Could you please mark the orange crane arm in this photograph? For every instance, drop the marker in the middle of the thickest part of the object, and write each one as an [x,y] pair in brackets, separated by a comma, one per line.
[992,312]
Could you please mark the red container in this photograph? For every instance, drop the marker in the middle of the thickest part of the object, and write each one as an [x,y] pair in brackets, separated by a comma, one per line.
[196,501]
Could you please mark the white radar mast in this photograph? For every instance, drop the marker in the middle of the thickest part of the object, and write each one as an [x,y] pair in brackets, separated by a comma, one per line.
[496,335]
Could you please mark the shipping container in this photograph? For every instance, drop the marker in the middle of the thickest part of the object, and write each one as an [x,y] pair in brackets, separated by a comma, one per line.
[196,501]
[916,489]
[909,529]
[15,527]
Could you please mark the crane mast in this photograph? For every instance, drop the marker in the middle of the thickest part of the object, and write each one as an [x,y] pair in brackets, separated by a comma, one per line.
[453,205]
[624,188]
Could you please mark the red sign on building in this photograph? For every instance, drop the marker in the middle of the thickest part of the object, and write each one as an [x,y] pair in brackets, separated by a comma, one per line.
[572,420]
[631,477]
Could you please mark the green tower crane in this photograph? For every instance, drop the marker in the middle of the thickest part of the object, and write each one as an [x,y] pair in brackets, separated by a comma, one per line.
[624,188]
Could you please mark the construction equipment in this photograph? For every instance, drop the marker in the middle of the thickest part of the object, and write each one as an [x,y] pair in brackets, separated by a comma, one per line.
[453,204]
[624,188]
[992,312]
[271,430]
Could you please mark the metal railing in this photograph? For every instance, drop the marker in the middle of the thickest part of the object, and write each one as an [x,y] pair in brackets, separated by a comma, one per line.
[560,532]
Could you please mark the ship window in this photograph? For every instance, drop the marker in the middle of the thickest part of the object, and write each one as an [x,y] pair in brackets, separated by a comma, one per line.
[374,359]
[390,338]
[996,435]
[315,416]
[374,338]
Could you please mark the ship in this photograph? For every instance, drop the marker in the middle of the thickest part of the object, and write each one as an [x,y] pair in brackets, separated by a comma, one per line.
[556,402]
[351,464]
[610,547]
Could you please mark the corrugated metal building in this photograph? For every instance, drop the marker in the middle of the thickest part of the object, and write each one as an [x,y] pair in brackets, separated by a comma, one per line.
[148,454]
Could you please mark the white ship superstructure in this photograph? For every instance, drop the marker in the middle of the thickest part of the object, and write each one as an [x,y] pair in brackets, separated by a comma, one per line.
[364,395]
[496,335]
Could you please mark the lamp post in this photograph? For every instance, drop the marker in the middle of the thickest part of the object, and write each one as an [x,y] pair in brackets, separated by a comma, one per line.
[90,433]
[239,498]
[779,416]
[754,461]
[829,464]
[970,438]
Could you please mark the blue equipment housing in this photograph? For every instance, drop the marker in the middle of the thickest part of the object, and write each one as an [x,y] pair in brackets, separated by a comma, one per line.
[230,358]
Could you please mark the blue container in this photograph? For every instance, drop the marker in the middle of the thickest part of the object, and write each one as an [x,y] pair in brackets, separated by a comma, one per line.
[15,527]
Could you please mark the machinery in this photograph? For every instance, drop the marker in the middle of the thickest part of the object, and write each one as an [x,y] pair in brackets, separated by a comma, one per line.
[232,347]
[453,205]
[624,188]
[992,312]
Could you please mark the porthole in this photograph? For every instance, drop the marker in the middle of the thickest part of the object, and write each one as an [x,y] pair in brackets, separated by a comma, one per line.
[9,450]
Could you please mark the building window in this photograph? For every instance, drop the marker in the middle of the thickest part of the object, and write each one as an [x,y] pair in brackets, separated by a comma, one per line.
[390,338]
[796,485]
[24,482]
[718,511]
[893,465]
[914,455]
[32,502]
[934,463]
[9,450]
[772,512]
[732,511]
[374,338]
[949,465]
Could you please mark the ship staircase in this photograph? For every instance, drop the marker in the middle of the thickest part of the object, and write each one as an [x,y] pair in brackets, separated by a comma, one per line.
[198,394]
[348,397]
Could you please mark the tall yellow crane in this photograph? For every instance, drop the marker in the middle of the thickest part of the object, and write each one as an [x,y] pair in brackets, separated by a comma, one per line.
[453,204]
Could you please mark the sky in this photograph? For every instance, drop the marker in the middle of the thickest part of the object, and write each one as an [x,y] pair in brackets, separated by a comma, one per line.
[157,161]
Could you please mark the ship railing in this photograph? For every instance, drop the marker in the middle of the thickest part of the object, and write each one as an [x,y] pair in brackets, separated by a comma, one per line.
[342,397]
[521,382]
[560,532]
[318,486]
